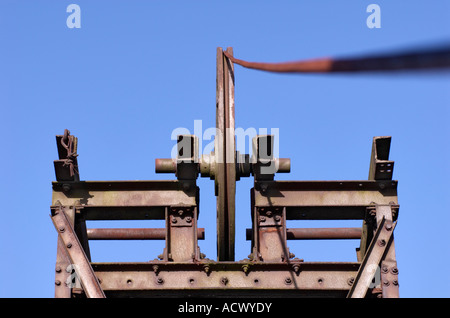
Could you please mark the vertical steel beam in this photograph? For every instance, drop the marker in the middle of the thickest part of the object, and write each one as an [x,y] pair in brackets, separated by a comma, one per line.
[269,235]
[62,266]
[381,168]
[75,251]
[181,234]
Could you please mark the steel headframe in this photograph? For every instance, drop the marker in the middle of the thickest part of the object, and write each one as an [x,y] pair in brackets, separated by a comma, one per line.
[271,269]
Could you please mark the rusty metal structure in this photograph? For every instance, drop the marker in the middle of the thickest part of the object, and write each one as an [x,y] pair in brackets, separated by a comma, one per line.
[181,269]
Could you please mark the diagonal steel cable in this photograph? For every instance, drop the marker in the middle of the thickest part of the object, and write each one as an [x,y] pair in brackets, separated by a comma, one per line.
[437,58]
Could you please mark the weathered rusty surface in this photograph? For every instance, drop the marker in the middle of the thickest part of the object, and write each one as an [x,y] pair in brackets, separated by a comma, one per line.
[75,251]
[133,234]
[271,269]
[66,168]
[372,259]
[318,233]
[229,277]
[325,199]
[225,150]
[165,166]
[124,193]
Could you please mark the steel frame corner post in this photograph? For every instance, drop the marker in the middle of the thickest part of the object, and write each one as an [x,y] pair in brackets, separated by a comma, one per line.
[75,252]
[63,264]
[381,169]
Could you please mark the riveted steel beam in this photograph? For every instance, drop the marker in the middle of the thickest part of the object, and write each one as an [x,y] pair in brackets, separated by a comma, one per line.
[75,251]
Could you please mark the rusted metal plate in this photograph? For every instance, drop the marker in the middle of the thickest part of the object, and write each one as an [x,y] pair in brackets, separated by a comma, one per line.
[326,199]
[140,199]
[226,276]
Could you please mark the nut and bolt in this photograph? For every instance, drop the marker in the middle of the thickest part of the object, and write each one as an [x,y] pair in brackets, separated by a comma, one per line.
[277,218]
[288,281]
[269,213]
[58,269]
[69,245]
[388,227]
[386,283]
[394,270]
[224,280]
[381,242]
[245,268]
[160,281]
[180,212]
[188,219]
[174,220]
[62,229]
[395,282]
[351,281]
[262,218]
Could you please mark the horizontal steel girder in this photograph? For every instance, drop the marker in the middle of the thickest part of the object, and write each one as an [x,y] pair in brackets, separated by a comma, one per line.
[325,199]
[121,200]
[332,279]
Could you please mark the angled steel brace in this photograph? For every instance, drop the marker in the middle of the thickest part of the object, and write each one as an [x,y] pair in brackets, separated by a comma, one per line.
[76,253]
[372,259]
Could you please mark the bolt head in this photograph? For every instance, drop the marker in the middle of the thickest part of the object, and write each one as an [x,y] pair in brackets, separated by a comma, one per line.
[288,281]
[224,280]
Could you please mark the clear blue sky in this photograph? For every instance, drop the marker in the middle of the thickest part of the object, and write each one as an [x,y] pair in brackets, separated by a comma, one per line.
[136,70]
